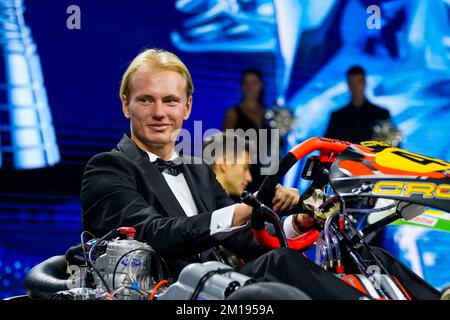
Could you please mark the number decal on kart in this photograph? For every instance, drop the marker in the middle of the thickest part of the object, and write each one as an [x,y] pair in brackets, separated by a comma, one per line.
[407,161]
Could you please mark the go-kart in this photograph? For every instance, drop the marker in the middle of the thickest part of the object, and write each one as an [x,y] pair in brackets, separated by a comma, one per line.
[347,180]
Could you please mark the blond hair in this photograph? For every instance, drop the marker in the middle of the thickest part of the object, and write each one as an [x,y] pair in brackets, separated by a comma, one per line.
[155,60]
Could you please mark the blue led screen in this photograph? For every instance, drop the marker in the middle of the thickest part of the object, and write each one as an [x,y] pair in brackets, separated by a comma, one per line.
[302,47]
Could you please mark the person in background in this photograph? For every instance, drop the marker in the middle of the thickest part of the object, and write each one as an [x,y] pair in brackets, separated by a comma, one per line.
[356,121]
[249,114]
[232,170]
[234,175]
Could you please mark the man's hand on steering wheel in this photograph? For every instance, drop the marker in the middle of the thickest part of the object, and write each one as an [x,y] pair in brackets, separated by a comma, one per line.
[285,198]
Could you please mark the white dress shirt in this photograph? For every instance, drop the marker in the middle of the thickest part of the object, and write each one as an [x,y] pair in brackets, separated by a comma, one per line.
[220,226]
[221,219]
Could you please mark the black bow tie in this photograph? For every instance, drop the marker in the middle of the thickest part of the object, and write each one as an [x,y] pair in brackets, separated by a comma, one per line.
[171,167]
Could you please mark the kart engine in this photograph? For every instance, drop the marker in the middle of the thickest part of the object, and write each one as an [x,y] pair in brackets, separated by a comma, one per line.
[126,269]
[130,271]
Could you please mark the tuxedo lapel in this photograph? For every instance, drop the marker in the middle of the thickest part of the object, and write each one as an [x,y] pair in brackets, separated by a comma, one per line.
[153,177]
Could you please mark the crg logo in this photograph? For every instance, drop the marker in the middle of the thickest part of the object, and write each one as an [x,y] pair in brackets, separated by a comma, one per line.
[424,189]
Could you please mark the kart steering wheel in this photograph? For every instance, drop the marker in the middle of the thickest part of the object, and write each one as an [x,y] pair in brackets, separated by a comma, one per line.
[329,149]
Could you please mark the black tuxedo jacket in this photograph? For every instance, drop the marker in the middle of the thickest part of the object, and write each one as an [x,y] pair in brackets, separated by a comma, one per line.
[123,188]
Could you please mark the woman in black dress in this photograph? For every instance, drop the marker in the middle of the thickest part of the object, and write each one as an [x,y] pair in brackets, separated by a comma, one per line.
[249,114]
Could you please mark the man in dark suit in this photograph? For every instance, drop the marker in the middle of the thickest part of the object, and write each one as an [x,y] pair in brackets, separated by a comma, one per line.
[176,206]
[229,156]
[356,121]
